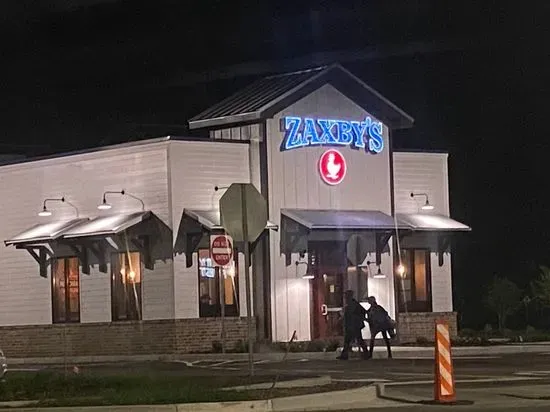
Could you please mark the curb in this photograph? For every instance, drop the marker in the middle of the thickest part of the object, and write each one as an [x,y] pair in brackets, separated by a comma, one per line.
[379,352]
[295,383]
[335,400]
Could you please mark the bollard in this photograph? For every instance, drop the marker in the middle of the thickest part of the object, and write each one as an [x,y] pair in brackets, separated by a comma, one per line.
[444,375]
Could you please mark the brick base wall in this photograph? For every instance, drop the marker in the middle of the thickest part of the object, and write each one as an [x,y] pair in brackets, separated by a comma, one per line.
[121,338]
[411,326]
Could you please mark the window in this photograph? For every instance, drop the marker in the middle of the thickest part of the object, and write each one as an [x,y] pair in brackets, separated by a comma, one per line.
[414,287]
[65,290]
[126,286]
[209,287]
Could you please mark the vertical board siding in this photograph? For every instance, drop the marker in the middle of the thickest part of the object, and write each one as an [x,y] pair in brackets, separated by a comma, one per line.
[426,173]
[25,297]
[294,182]
[195,169]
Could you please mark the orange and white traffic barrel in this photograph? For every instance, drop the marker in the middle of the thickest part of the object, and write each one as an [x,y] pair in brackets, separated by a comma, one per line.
[444,375]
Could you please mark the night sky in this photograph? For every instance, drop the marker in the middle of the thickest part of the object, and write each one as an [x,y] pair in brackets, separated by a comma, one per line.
[475,75]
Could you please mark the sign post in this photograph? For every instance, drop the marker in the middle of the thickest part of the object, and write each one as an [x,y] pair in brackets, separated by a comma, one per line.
[243,212]
[221,250]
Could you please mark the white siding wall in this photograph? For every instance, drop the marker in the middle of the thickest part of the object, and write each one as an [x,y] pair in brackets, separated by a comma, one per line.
[195,168]
[426,173]
[25,297]
[294,182]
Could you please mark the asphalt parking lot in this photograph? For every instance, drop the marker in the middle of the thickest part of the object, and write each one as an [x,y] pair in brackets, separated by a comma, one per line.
[510,367]
[505,368]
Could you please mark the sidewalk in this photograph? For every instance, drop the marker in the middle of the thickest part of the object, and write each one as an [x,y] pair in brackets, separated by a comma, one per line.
[489,395]
[399,352]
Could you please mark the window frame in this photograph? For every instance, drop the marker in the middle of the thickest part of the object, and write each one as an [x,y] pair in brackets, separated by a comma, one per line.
[415,306]
[115,263]
[230,310]
[53,270]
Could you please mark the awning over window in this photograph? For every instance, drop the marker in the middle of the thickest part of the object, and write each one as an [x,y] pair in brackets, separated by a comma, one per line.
[194,229]
[430,231]
[106,225]
[43,232]
[210,219]
[432,222]
[140,231]
[301,226]
[38,240]
[92,241]
[342,219]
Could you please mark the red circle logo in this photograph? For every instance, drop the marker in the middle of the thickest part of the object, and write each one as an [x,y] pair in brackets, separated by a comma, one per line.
[332,167]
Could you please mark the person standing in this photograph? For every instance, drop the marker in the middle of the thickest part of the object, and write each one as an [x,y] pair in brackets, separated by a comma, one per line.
[379,321]
[354,322]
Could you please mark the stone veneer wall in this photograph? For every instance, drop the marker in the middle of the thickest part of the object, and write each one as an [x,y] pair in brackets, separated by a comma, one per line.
[411,326]
[120,338]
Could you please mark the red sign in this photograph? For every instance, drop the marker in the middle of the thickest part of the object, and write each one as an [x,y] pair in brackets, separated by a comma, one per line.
[221,249]
[332,167]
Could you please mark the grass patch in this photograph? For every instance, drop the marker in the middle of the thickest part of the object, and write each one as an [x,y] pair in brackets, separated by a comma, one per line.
[53,388]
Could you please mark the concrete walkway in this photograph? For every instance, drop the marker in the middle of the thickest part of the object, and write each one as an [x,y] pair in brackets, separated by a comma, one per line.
[399,352]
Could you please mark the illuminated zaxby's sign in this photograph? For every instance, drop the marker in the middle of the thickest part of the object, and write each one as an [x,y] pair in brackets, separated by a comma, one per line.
[305,131]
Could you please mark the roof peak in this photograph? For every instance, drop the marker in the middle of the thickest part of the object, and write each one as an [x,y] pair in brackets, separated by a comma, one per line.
[303,71]
[269,95]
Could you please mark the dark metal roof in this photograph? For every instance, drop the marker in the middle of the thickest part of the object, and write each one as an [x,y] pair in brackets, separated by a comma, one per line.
[268,96]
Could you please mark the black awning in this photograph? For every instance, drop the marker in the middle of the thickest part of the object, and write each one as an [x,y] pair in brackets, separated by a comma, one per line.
[428,222]
[195,228]
[431,231]
[301,226]
[140,231]
[40,240]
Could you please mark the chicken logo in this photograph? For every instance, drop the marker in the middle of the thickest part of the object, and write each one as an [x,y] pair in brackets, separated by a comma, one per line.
[332,167]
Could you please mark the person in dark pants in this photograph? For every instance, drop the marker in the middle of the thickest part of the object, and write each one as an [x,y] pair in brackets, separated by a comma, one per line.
[354,322]
[379,321]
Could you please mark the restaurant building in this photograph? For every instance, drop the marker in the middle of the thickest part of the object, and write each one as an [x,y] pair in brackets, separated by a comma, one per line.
[118,263]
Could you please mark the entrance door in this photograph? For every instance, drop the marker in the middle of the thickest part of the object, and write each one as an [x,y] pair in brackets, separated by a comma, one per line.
[328,292]
[328,262]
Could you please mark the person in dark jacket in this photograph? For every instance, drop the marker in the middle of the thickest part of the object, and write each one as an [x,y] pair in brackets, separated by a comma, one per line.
[379,321]
[354,322]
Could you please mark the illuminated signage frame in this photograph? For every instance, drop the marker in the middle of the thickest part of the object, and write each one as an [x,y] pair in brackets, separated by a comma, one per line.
[306,131]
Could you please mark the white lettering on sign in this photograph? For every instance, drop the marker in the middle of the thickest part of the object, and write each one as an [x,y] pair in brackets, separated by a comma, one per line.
[221,250]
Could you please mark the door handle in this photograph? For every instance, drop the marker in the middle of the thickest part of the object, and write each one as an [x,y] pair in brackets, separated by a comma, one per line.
[324,310]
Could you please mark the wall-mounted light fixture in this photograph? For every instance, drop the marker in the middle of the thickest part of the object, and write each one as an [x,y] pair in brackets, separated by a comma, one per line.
[46,212]
[378,274]
[106,206]
[427,205]
[308,275]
